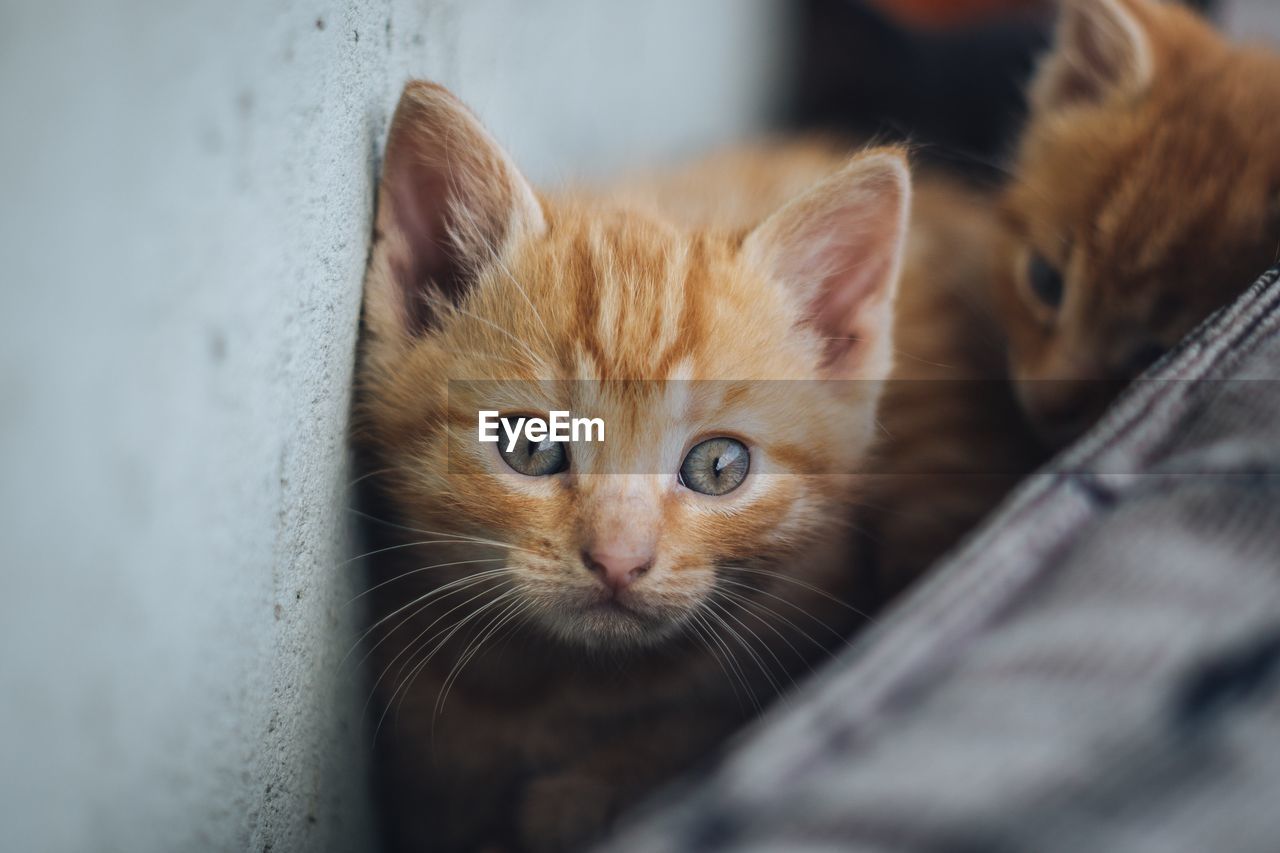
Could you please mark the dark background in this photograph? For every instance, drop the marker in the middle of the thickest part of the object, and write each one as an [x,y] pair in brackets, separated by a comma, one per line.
[947,75]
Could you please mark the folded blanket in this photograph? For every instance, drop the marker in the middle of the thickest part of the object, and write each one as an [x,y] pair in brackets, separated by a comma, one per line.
[1097,669]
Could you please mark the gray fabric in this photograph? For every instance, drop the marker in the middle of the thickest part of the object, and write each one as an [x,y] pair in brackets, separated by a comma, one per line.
[1097,669]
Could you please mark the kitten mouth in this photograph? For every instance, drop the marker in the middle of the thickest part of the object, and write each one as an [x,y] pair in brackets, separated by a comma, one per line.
[616,606]
[620,621]
[610,604]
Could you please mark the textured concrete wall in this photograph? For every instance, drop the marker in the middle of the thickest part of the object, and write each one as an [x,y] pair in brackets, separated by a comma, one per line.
[183,227]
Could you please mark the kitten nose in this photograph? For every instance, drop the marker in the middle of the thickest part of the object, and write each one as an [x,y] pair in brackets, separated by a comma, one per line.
[616,569]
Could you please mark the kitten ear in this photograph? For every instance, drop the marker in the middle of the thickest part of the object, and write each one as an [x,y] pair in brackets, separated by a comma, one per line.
[449,203]
[1103,48]
[839,247]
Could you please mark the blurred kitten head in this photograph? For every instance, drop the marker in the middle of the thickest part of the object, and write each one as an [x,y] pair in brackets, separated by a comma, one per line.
[1146,195]
[545,303]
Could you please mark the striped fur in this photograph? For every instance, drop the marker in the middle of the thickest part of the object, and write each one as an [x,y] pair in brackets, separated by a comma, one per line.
[603,304]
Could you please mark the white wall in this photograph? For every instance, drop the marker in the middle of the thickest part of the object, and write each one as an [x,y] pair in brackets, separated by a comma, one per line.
[185,191]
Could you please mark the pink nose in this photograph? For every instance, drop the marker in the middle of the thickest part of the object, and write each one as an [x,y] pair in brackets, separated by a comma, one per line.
[616,570]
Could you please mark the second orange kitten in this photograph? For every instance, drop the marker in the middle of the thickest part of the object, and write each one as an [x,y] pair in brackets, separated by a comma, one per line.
[1146,194]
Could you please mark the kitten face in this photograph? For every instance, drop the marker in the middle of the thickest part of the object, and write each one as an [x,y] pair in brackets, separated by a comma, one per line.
[664,334]
[1145,197]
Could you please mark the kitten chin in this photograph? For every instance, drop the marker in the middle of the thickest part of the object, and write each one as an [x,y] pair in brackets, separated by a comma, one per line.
[627,621]
[612,625]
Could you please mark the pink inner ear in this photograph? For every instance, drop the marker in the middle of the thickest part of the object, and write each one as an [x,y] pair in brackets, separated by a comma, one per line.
[838,248]
[853,255]
[450,200]
[857,276]
[418,199]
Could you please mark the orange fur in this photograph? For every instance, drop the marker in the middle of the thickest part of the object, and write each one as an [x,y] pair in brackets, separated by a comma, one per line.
[1149,177]
[950,441]
[576,704]
[953,441]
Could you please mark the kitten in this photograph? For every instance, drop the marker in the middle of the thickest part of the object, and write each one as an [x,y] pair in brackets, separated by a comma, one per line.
[553,641]
[1146,195]
[951,441]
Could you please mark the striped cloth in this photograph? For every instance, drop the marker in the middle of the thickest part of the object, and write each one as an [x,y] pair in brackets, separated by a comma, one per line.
[1097,669]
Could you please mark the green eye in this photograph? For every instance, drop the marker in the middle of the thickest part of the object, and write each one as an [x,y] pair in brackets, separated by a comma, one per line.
[716,466]
[533,458]
[1045,281]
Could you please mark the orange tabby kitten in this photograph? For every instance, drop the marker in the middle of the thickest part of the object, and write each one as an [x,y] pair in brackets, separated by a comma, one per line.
[951,441]
[562,627]
[1147,194]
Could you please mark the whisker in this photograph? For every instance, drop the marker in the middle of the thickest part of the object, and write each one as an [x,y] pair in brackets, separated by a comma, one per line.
[777,688]
[692,628]
[746,602]
[806,585]
[407,681]
[367,475]
[402,690]
[443,591]
[495,624]
[463,536]
[732,660]
[838,635]
[403,545]
[404,575]
[447,632]
[759,662]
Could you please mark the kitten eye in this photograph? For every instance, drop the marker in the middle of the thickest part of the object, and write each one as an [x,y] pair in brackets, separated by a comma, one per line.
[1045,280]
[716,466]
[535,458]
